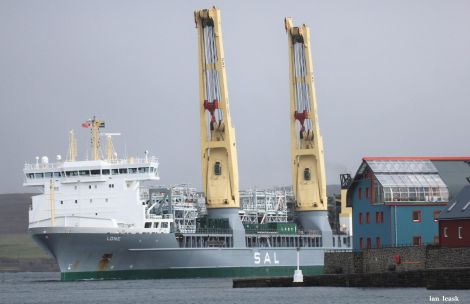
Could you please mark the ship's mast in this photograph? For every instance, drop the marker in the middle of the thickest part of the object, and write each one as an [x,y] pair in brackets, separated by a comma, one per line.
[72,153]
[308,168]
[95,125]
[218,150]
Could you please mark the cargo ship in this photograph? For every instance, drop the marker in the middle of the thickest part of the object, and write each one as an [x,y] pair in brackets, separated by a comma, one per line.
[99,220]
[105,218]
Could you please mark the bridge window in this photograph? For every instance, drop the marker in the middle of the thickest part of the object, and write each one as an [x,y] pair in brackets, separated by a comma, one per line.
[148,225]
[115,171]
[105,171]
[143,170]
[217,169]
[123,171]
[95,172]
[307,174]
[71,173]
[132,170]
[57,174]
[156,225]
[164,224]
[30,175]
[84,173]
[48,174]
[38,175]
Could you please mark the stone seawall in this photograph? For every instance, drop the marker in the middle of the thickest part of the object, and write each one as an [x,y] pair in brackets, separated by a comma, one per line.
[431,279]
[442,257]
[396,259]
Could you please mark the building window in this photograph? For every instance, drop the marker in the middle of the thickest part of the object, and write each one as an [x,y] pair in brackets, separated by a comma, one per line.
[378,243]
[381,217]
[361,243]
[367,218]
[61,202]
[76,202]
[89,186]
[367,193]
[360,218]
[445,232]
[417,241]
[460,230]
[436,214]
[416,216]
[369,243]
[377,217]
[359,193]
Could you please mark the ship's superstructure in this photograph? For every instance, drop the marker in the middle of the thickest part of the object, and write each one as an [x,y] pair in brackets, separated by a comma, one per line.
[99,192]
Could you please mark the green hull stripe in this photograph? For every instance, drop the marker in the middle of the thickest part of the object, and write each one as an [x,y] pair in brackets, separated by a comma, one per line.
[190,273]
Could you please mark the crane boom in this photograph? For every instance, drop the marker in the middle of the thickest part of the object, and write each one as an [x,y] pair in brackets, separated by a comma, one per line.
[308,168]
[218,150]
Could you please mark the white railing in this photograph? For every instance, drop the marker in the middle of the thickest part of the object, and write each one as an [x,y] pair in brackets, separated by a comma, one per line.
[59,165]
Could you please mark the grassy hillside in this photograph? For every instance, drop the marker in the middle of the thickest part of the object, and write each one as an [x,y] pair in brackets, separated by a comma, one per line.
[14,213]
[20,246]
[15,242]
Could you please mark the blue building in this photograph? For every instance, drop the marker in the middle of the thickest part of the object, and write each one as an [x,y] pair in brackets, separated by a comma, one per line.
[396,201]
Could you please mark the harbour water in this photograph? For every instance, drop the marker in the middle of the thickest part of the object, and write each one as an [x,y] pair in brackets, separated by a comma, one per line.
[47,288]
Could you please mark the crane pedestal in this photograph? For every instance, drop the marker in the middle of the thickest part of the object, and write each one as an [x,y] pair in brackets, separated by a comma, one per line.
[234,221]
[317,220]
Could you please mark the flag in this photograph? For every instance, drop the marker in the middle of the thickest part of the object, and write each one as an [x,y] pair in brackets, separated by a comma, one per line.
[86,124]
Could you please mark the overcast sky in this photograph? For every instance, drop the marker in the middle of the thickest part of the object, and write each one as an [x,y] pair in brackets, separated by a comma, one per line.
[392,79]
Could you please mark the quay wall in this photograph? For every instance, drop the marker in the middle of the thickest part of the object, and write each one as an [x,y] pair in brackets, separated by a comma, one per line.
[396,259]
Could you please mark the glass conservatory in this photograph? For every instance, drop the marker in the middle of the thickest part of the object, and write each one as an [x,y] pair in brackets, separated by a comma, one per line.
[407,181]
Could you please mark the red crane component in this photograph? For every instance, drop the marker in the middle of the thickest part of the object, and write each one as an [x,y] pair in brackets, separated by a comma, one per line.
[301,117]
[211,107]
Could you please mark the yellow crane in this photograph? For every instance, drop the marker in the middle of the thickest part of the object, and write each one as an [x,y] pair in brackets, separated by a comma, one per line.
[308,165]
[218,149]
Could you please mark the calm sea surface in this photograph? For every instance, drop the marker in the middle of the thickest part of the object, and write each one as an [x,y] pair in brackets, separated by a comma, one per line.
[46,288]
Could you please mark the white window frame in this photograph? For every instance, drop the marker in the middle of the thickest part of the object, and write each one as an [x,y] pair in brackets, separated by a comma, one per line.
[460,232]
